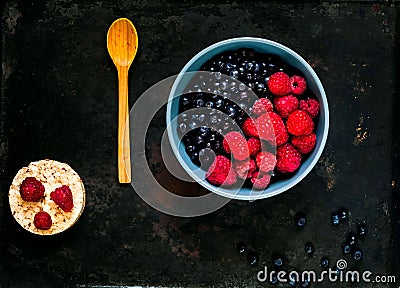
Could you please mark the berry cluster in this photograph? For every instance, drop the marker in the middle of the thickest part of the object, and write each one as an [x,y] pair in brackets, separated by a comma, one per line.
[280,119]
[32,190]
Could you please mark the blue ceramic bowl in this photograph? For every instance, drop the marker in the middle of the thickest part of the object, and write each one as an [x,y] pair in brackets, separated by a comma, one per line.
[260,45]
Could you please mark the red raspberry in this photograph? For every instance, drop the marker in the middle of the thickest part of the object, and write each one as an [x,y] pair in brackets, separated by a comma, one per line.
[288,159]
[31,189]
[279,84]
[285,105]
[260,181]
[270,127]
[42,220]
[245,169]
[249,127]
[305,144]
[254,146]
[266,161]
[221,172]
[298,85]
[299,123]
[311,106]
[62,196]
[261,106]
[237,145]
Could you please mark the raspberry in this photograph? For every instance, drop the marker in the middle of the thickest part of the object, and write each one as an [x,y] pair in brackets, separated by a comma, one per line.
[254,146]
[305,144]
[288,159]
[221,172]
[62,196]
[260,181]
[245,169]
[270,127]
[285,105]
[237,145]
[279,84]
[42,220]
[261,106]
[299,123]
[311,106]
[249,127]
[266,161]
[298,85]
[31,189]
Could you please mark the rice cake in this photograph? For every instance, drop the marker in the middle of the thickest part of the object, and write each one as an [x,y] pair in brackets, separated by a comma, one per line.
[52,174]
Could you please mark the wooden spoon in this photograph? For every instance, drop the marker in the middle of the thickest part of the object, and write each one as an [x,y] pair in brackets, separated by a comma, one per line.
[122,43]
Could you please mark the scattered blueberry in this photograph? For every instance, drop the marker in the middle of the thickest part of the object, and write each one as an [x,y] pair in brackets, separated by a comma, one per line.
[305,283]
[335,219]
[309,248]
[352,239]
[241,247]
[300,219]
[278,261]
[343,214]
[362,230]
[292,280]
[273,280]
[324,262]
[253,258]
[357,254]
[346,248]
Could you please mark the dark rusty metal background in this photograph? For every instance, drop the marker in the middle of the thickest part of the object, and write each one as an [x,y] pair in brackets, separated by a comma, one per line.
[59,101]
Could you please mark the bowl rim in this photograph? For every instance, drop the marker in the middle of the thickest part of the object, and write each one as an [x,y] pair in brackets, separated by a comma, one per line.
[260,194]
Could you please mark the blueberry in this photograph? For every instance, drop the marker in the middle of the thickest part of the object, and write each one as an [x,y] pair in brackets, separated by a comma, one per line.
[241,247]
[335,219]
[305,283]
[199,142]
[273,280]
[300,219]
[219,104]
[292,281]
[209,104]
[253,258]
[191,149]
[231,110]
[278,261]
[362,230]
[309,249]
[357,254]
[204,132]
[352,239]
[195,158]
[343,214]
[324,262]
[346,248]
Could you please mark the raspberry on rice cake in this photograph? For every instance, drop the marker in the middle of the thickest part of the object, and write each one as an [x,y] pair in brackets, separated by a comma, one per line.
[52,174]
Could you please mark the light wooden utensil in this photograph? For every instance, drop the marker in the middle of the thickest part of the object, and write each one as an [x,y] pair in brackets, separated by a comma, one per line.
[122,43]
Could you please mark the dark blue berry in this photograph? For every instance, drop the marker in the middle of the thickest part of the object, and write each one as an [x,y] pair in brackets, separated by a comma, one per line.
[278,261]
[346,248]
[352,239]
[324,262]
[305,283]
[362,230]
[335,219]
[253,258]
[357,254]
[191,149]
[343,214]
[273,280]
[195,158]
[300,220]
[309,249]
[241,247]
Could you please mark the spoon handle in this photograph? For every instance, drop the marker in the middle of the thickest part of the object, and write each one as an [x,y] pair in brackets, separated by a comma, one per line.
[124,157]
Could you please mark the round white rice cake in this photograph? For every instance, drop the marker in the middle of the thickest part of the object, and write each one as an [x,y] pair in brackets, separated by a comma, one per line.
[52,174]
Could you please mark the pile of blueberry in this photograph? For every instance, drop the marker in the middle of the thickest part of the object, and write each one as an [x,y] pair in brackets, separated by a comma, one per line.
[238,78]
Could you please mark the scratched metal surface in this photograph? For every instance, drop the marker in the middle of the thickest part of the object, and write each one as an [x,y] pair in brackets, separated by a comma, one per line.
[59,101]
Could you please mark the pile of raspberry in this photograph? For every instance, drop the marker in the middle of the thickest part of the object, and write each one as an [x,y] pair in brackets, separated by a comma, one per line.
[274,140]
[32,190]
